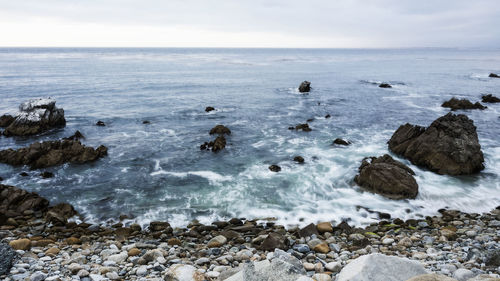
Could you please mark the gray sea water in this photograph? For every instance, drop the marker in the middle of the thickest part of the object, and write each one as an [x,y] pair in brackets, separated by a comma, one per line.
[157,171]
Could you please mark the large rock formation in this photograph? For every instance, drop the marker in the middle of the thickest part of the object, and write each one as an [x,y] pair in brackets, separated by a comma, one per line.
[14,202]
[52,153]
[448,146]
[388,177]
[36,116]
[456,104]
[490,98]
[378,267]
[6,120]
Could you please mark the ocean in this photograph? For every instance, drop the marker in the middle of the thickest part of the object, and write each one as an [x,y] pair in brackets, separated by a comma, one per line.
[156,171]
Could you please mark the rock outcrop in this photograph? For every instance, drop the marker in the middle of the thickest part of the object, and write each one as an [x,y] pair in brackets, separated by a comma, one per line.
[220,130]
[339,141]
[388,177]
[14,202]
[385,85]
[489,98]
[52,153]
[456,104]
[275,168]
[220,142]
[209,108]
[448,146]
[36,116]
[6,120]
[305,87]
[493,75]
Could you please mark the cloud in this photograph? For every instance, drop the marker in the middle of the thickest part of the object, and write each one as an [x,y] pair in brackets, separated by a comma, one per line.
[276,23]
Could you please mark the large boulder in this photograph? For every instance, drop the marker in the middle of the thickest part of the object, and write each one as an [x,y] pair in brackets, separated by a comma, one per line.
[6,120]
[378,267]
[388,177]
[60,213]
[52,153]
[448,146]
[15,201]
[456,104]
[489,98]
[305,87]
[36,116]
[7,256]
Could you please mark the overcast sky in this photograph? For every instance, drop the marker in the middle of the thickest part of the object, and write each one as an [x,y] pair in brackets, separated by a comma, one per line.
[252,23]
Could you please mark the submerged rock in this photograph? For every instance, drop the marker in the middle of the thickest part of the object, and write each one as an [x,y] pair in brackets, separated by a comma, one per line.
[378,267]
[448,146]
[456,104]
[298,159]
[209,108]
[220,130]
[6,120]
[493,75]
[385,85]
[36,116]
[490,98]
[275,168]
[339,141]
[305,87]
[52,153]
[100,123]
[387,177]
[304,127]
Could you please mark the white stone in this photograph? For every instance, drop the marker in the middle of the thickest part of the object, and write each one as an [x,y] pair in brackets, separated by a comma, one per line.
[142,270]
[182,272]
[118,258]
[387,241]
[463,274]
[322,277]
[333,266]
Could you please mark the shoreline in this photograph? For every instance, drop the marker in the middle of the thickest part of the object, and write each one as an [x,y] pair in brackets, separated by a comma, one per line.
[48,245]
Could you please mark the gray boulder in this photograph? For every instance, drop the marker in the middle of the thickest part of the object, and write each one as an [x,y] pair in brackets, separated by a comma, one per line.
[378,267]
[7,256]
[36,116]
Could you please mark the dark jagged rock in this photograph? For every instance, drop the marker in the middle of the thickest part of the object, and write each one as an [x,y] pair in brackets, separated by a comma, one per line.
[146,122]
[60,213]
[273,241]
[100,123]
[1,179]
[76,136]
[448,146]
[303,127]
[388,177]
[328,116]
[220,130]
[275,168]
[219,143]
[47,175]
[24,174]
[52,153]
[456,104]
[385,85]
[209,108]
[305,87]
[308,230]
[298,159]
[6,120]
[339,141]
[7,257]
[36,116]
[14,201]
[493,75]
[490,98]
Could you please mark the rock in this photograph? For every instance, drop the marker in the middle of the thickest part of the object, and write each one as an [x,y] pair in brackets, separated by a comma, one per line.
[321,277]
[20,244]
[24,174]
[368,268]
[359,240]
[16,201]
[142,270]
[333,266]
[388,177]
[73,241]
[60,213]
[133,252]
[52,153]
[274,241]
[341,142]
[217,241]
[52,251]
[146,122]
[174,241]
[74,268]
[387,241]
[431,277]
[324,227]
[220,130]
[493,75]
[38,276]
[385,85]
[327,116]
[36,116]
[152,255]
[308,230]
[7,255]
[100,123]
[484,277]
[448,146]
[463,274]
[456,104]
[118,258]
[6,120]
[304,127]
[275,168]
[46,175]
[321,248]
[76,136]
[183,272]
[489,98]
[209,108]
[219,144]
[493,258]
[305,87]
[298,159]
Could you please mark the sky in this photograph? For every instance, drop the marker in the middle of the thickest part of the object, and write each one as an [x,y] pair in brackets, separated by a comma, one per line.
[252,23]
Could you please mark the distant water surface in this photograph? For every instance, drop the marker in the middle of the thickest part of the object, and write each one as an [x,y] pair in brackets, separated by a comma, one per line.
[157,172]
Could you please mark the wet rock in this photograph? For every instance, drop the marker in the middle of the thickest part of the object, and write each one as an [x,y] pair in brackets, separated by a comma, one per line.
[273,241]
[15,201]
[7,255]
[46,175]
[298,159]
[388,177]
[219,144]
[220,130]
[341,142]
[490,98]
[36,116]
[303,127]
[100,123]
[52,153]
[76,136]
[327,116]
[305,87]
[146,122]
[324,227]
[385,85]
[183,272]
[159,226]
[6,120]
[308,230]
[209,108]
[368,268]
[275,168]
[60,213]
[493,75]
[217,241]
[456,104]
[448,146]
[20,244]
